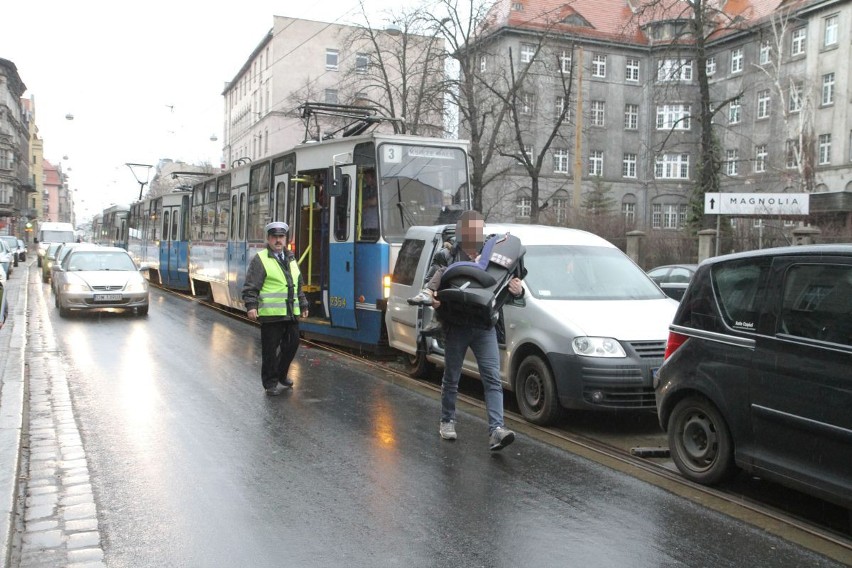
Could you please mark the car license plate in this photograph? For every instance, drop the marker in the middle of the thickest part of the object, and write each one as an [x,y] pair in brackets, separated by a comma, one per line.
[107,297]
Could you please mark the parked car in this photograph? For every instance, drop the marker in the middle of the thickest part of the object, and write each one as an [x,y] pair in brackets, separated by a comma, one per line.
[7,258]
[757,374]
[94,277]
[56,265]
[673,278]
[48,260]
[588,334]
[16,246]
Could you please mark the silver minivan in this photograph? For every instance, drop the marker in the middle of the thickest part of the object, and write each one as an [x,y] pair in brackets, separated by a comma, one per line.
[589,332]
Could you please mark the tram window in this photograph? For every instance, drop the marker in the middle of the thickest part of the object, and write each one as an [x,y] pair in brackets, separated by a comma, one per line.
[175,224]
[341,210]
[258,215]
[406,262]
[369,206]
[242,215]
[166,225]
[280,196]
[232,235]
[222,215]
[197,221]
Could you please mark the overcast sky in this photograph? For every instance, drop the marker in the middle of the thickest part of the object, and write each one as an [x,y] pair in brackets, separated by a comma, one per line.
[143,81]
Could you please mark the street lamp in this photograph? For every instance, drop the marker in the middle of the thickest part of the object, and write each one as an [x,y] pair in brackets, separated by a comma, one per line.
[139,181]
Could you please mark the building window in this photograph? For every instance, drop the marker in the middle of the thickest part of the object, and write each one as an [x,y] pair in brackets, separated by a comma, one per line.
[565,61]
[524,206]
[668,215]
[629,212]
[628,166]
[830,35]
[527,52]
[631,69]
[483,64]
[596,163]
[796,97]
[673,117]
[560,106]
[599,65]
[598,113]
[792,154]
[560,161]
[331,59]
[765,52]
[824,149]
[331,96]
[735,111]
[797,41]
[711,66]
[763,103]
[362,63]
[528,151]
[527,103]
[631,117]
[732,163]
[560,206]
[672,166]
[737,60]
[828,89]
[760,155]
[674,70]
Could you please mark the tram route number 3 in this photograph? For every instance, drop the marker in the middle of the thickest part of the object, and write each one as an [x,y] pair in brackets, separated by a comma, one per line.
[392,153]
[337,301]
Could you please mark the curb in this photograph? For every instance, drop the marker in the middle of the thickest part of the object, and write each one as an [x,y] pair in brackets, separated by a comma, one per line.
[13,341]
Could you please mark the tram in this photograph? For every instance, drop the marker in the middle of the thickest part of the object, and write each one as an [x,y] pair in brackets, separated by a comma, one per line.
[110,229]
[348,203]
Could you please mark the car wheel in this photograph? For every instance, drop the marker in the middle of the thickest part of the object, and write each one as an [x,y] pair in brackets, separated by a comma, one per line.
[700,441]
[143,311]
[535,391]
[38,262]
[56,300]
[419,367]
[64,312]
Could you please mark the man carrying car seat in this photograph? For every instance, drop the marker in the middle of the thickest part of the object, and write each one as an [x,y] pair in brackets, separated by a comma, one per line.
[482,340]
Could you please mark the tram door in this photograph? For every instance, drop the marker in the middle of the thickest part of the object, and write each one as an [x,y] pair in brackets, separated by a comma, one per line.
[237,246]
[341,253]
[173,251]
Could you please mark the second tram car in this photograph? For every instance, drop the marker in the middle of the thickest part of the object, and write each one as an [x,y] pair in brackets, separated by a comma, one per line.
[348,203]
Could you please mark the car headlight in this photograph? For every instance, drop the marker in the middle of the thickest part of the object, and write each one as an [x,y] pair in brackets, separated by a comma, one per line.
[74,287]
[598,347]
[134,286]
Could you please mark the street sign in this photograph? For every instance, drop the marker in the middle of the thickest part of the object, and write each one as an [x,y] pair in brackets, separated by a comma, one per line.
[757,204]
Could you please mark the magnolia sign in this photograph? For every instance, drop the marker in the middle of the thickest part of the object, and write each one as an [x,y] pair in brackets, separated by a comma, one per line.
[756,204]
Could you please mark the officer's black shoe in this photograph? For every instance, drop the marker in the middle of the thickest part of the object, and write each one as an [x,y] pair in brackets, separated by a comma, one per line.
[433,328]
[286,382]
[275,391]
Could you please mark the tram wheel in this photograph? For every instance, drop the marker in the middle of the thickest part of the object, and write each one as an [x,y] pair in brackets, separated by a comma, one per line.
[535,391]
[700,441]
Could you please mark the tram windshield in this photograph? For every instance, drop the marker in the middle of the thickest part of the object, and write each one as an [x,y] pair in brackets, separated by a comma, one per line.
[421,185]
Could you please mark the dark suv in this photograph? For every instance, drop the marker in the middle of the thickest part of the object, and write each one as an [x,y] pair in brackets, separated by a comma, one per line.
[758,370]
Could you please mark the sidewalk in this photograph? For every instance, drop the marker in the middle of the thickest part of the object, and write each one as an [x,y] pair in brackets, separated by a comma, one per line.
[13,337]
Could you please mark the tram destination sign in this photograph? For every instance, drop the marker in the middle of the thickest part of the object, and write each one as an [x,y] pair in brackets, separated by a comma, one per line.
[757,204]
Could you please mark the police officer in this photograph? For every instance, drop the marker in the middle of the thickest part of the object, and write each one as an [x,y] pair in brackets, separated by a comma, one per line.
[273,296]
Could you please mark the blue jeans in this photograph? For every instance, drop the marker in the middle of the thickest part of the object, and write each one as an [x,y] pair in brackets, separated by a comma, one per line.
[483,342]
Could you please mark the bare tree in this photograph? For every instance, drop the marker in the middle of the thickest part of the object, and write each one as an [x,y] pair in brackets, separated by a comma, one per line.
[402,72]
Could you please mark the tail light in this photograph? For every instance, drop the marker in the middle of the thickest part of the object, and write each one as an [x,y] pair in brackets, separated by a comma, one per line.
[674,342]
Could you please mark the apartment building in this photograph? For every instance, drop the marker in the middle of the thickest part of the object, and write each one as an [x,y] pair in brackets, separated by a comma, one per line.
[778,84]
[15,183]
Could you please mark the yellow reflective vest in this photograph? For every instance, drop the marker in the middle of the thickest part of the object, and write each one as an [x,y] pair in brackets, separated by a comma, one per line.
[277,295]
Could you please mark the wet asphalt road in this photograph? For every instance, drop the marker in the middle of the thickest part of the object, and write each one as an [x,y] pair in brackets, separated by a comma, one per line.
[192,465]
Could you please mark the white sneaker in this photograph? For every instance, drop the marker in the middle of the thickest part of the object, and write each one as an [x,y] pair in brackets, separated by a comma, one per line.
[500,438]
[424,298]
[448,430]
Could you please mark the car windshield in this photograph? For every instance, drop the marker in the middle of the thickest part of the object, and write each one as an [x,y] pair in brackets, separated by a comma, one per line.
[80,261]
[561,272]
[51,250]
[11,241]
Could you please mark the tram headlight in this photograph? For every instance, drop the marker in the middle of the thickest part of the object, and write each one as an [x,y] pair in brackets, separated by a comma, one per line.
[386,283]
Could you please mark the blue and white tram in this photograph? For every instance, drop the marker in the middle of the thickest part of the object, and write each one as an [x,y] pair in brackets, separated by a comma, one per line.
[157,238]
[112,229]
[345,228]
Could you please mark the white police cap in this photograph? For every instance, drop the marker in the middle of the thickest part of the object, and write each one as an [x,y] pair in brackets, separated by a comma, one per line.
[277,228]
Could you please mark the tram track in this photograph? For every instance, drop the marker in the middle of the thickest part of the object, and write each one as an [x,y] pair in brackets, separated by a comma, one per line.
[805,532]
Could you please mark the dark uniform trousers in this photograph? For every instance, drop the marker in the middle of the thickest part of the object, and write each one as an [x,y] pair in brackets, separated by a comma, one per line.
[279,342]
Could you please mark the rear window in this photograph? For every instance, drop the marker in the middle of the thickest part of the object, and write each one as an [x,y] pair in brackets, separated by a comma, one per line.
[739,287]
[817,303]
[406,262]
[563,272]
